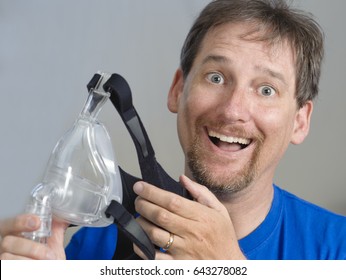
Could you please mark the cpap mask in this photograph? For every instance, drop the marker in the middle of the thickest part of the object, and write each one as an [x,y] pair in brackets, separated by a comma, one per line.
[83,184]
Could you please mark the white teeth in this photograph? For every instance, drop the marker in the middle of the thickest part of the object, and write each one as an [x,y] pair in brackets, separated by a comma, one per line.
[229,139]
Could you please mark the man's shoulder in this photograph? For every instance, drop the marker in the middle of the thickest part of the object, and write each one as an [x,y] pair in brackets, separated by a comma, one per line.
[312,224]
[318,232]
[296,229]
[300,207]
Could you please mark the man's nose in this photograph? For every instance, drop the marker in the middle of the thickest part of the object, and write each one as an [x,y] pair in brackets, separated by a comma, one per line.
[236,105]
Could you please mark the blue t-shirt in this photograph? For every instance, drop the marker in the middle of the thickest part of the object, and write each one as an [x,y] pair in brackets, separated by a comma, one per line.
[293,230]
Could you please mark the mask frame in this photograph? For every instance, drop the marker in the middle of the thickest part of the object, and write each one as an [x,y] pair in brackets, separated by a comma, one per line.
[85,150]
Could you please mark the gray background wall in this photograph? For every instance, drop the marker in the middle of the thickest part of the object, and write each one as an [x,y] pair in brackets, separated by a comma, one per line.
[49,50]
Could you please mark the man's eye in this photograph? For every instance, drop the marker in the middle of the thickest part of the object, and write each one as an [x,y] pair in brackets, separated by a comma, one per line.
[267,91]
[215,78]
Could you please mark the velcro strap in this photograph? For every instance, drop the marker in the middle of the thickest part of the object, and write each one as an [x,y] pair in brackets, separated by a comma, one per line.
[128,224]
[151,170]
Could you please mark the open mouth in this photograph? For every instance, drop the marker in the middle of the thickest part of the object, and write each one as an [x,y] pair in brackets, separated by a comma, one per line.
[228,143]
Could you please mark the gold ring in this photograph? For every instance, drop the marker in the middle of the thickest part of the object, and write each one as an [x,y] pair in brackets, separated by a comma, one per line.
[169,242]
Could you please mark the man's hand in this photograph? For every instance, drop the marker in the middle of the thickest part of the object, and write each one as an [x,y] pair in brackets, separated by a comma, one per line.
[202,227]
[15,247]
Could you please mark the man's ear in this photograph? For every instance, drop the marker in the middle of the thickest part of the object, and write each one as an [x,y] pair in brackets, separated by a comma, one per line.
[302,123]
[175,91]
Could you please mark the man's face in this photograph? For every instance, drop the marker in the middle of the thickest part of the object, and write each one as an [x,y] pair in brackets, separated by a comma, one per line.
[237,111]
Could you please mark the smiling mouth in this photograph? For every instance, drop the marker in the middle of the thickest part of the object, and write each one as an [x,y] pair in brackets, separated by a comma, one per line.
[228,143]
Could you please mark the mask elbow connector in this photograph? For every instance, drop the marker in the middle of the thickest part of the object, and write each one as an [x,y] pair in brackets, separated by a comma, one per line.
[40,204]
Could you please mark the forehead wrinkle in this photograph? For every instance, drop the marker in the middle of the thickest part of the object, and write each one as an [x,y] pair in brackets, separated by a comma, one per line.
[225,60]
[216,58]
[271,73]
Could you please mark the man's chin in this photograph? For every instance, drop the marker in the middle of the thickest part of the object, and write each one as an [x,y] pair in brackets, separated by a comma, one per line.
[220,176]
[220,184]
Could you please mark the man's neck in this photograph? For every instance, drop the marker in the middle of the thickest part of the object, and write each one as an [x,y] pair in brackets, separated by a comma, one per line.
[249,208]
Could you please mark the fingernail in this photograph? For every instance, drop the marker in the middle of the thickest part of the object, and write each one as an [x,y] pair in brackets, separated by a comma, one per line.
[185,179]
[138,187]
[31,223]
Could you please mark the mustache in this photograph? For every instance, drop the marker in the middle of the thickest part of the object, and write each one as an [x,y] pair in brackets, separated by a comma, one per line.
[236,130]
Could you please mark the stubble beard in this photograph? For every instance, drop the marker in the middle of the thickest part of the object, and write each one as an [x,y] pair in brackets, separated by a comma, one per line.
[223,185]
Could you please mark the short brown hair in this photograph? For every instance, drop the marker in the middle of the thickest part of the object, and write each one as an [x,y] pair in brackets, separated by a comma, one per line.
[280,22]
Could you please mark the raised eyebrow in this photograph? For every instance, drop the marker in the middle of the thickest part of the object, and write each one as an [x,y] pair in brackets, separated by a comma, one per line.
[272,73]
[226,60]
[216,58]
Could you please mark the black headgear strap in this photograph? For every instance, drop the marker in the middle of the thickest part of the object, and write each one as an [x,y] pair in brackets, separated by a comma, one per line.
[151,170]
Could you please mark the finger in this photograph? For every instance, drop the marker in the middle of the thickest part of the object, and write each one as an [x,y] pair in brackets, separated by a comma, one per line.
[8,256]
[21,223]
[163,256]
[158,236]
[160,217]
[166,200]
[139,252]
[158,254]
[26,248]
[201,193]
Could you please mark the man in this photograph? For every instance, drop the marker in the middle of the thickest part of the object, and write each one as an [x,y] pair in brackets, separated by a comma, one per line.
[244,91]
